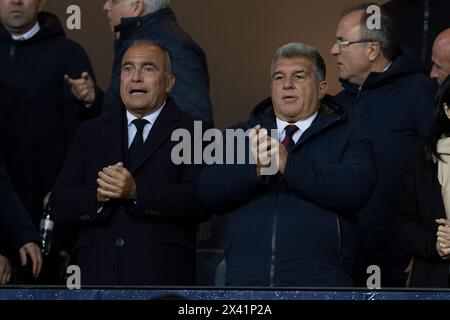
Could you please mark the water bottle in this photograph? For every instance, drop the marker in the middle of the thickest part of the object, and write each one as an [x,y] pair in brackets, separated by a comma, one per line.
[46,231]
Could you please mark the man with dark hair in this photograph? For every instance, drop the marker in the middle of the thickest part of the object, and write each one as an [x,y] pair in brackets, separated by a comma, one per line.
[135,207]
[153,20]
[16,149]
[34,57]
[294,227]
[385,93]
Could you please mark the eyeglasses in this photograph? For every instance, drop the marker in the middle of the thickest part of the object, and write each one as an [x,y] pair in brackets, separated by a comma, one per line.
[341,44]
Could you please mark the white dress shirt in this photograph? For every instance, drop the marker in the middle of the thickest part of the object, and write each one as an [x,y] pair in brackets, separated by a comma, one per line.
[151,118]
[29,34]
[302,125]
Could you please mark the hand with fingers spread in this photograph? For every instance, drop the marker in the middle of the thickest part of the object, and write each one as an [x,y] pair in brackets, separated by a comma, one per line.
[116,182]
[83,89]
[5,270]
[443,239]
[32,249]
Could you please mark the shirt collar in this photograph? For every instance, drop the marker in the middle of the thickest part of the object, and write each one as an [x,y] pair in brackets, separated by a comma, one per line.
[151,118]
[387,67]
[29,34]
[303,125]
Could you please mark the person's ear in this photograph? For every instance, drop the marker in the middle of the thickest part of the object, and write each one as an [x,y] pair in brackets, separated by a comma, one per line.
[374,49]
[323,87]
[138,8]
[170,82]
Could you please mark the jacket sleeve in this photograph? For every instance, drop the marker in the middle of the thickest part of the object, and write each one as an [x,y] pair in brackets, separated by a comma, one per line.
[193,81]
[71,199]
[415,237]
[170,201]
[344,186]
[15,221]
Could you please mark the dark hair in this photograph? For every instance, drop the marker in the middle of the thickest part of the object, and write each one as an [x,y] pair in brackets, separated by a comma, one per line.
[441,123]
[386,36]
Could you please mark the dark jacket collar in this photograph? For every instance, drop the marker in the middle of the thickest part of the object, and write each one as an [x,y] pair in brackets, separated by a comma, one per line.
[329,113]
[406,62]
[264,111]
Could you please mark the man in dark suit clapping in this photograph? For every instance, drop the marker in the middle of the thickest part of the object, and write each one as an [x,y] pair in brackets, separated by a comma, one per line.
[136,208]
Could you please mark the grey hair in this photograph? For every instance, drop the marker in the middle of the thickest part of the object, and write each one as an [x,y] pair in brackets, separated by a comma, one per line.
[167,57]
[301,50]
[386,36]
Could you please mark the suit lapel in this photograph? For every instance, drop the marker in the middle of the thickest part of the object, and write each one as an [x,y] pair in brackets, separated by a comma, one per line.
[161,131]
[112,135]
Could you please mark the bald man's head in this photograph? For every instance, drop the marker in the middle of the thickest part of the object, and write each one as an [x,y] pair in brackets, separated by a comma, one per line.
[441,57]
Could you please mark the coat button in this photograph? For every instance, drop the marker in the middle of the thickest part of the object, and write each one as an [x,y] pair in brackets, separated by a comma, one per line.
[120,243]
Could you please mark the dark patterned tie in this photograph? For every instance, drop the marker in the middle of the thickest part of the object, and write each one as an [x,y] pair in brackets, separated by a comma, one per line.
[288,141]
[138,140]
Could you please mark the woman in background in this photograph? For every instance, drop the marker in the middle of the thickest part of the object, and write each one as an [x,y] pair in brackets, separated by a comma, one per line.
[422,220]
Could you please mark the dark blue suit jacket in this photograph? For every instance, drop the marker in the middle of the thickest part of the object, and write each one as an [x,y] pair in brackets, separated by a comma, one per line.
[147,242]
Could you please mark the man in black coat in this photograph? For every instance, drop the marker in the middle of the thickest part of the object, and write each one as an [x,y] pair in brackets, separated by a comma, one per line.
[136,209]
[34,57]
[386,93]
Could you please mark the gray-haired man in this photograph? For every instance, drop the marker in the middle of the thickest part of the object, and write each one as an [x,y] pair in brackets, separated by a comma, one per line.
[294,228]
[153,20]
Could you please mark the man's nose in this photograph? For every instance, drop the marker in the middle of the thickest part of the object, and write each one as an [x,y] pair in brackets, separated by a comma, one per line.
[288,83]
[137,76]
[335,50]
[106,6]
[433,72]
